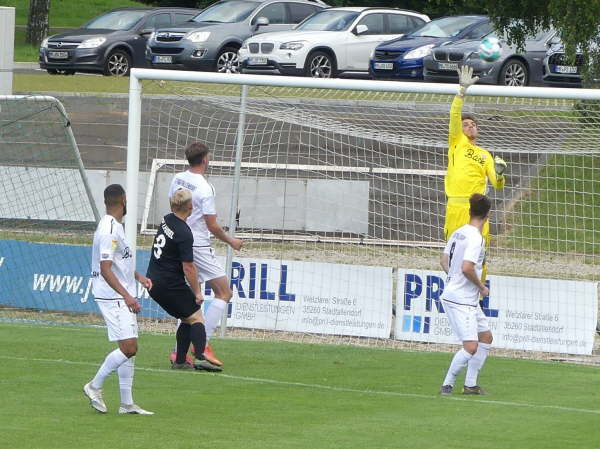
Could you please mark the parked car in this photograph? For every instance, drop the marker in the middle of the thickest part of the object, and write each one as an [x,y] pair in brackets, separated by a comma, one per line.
[558,69]
[212,39]
[403,58]
[513,68]
[111,43]
[329,42]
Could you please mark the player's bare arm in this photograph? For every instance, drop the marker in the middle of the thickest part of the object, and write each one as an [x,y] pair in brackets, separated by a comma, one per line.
[146,282]
[218,232]
[110,278]
[468,269]
[191,276]
[445,262]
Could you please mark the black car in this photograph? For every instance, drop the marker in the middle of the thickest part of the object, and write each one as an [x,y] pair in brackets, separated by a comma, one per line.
[111,43]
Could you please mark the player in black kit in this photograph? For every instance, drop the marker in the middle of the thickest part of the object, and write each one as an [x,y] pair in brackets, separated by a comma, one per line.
[171,264]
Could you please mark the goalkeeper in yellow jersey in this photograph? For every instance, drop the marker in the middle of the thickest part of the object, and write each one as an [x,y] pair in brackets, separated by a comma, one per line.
[469,166]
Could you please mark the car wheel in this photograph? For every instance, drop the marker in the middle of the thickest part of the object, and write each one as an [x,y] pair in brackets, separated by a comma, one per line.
[514,73]
[228,61]
[320,65]
[118,63]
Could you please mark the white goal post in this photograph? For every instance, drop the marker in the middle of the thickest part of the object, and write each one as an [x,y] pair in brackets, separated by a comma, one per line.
[340,185]
[135,108]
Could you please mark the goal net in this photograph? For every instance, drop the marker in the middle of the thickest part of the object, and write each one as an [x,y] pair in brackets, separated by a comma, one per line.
[340,200]
[47,213]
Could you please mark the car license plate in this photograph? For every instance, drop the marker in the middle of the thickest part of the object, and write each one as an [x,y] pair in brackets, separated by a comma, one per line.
[565,69]
[447,66]
[257,60]
[161,59]
[58,54]
[383,65]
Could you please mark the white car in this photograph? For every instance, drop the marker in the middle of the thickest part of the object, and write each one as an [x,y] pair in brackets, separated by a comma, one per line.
[330,41]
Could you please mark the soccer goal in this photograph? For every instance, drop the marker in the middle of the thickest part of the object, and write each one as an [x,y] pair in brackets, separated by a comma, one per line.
[337,187]
[47,211]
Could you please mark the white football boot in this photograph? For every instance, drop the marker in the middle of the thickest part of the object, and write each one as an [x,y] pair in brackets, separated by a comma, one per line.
[95,397]
[133,409]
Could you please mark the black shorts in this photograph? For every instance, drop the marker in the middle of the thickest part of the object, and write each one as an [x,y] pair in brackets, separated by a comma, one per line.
[177,300]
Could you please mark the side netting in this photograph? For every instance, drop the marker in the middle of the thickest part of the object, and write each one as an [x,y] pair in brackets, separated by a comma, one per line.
[340,200]
[47,213]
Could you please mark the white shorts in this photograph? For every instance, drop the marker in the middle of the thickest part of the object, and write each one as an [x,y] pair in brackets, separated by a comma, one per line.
[207,264]
[120,322]
[466,321]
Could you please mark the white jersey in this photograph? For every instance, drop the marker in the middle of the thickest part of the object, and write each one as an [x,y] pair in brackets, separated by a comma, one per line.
[203,202]
[465,244]
[110,244]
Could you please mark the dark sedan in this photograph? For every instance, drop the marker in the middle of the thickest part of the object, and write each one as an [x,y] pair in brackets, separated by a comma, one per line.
[403,58]
[111,43]
[513,68]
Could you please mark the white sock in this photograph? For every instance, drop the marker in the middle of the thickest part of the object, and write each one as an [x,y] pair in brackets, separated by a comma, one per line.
[177,327]
[125,372]
[111,363]
[476,363]
[213,316]
[460,360]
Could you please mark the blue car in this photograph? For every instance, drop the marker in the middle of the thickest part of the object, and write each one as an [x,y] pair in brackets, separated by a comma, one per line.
[403,57]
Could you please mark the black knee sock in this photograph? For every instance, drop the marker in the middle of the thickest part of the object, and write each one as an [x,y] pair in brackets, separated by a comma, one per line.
[198,335]
[183,341]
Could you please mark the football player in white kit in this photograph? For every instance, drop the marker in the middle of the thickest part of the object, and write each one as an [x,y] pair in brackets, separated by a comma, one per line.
[203,223]
[114,288]
[463,260]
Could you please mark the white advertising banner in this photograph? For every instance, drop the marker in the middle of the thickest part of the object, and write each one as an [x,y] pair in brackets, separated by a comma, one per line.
[546,315]
[312,297]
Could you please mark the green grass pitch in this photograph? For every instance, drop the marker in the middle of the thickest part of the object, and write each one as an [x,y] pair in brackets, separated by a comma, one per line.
[285,395]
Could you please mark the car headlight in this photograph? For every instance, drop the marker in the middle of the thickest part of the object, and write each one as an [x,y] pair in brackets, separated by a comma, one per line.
[44,43]
[244,46]
[92,43]
[295,45]
[152,36]
[197,36]
[419,52]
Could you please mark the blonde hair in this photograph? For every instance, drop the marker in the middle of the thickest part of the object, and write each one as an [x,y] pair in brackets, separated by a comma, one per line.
[180,199]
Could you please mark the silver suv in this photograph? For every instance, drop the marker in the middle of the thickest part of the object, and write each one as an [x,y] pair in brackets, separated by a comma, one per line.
[211,40]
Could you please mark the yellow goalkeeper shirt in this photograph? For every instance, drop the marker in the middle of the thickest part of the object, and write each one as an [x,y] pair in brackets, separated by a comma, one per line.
[468,164]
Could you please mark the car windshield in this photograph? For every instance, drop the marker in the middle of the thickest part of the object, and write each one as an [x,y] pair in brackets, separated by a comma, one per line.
[445,27]
[116,20]
[227,12]
[328,21]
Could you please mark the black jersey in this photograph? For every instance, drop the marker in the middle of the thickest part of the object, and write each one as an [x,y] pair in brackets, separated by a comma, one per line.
[172,245]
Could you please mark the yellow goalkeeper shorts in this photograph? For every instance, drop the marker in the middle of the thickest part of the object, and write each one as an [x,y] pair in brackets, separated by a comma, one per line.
[457,215]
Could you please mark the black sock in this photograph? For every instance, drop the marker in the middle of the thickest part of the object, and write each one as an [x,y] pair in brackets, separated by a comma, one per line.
[198,335]
[183,337]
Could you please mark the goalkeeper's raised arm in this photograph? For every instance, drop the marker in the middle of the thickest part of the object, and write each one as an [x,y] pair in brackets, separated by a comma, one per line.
[469,166]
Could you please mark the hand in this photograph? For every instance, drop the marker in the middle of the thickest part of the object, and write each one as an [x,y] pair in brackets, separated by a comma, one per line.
[199,298]
[236,244]
[146,282]
[484,291]
[466,78]
[132,304]
[500,165]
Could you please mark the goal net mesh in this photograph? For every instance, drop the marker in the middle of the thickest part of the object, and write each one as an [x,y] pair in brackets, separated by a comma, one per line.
[46,215]
[341,207]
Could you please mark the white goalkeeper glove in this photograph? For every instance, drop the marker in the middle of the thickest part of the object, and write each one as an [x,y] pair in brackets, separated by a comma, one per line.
[466,79]
[500,165]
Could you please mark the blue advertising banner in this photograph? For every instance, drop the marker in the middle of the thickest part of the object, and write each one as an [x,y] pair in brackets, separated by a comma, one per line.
[55,277]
